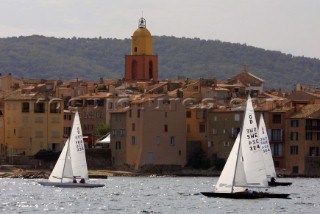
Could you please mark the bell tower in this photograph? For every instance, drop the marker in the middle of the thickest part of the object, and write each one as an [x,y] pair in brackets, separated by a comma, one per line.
[141,65]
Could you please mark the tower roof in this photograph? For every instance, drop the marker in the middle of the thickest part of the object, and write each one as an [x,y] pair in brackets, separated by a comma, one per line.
[142,30]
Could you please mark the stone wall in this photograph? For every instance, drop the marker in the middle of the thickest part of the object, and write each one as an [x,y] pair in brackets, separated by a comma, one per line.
[96,159]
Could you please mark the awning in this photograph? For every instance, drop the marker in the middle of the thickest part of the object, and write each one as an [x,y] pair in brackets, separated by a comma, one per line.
[105,139]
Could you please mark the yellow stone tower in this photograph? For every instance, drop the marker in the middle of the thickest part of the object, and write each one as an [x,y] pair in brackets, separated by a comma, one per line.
[141,65]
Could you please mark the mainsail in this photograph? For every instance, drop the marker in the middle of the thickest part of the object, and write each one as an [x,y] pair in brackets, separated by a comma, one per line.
[265,147]
[251,150]
[72,160]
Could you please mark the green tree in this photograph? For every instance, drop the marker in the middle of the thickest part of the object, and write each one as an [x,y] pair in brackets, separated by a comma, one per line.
[101,130]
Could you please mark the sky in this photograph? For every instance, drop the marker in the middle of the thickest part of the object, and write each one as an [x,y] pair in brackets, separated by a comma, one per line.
[289,26]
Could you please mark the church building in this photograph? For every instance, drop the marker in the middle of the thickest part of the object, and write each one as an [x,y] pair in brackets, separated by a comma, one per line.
[141,65]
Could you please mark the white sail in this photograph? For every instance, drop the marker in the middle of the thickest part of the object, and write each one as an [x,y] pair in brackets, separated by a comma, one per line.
[62,171]
[265,148]
[72,160]
[232,174]
[253,161]
[77,150]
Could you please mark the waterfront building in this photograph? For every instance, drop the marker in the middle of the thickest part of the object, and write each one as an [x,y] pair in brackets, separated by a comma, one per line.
[33,120]
[94,109]
[196,117]
[303,137]
[223,127]
[150,131]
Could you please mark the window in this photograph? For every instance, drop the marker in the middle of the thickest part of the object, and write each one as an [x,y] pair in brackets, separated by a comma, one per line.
[276,149]
[133,140]
[172,142]
[158,140]
[313,151]
[165,128]
[130,113]
[55,107]
[294,123]
[202,128]
[39,133]
[226,143]
[66,131]
[166,114]
[25,119]
[100,102]
[199,114]
[318,136]
[55,134]
[118,145]
[276,118]
[293,135]
[188,128]
[25,107]
[295,170]
[138,113]
[214,131]
[133,127]
[55,120]
[39,119]
[237,117]
[308,135]
[210,144]
[308,124]
[39,107]
[276,134]
[234,132]
[90,103]
[188,114]
[67,117]
[294,150]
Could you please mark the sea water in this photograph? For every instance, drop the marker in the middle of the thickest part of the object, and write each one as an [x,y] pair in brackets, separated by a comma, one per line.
[151,195]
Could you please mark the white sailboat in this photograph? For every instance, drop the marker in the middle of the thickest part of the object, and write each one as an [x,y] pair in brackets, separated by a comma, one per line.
[267,155]
[245,166]
[251,149]
[71,168]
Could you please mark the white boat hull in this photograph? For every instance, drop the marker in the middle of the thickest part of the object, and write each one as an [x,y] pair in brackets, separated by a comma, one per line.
[69,185]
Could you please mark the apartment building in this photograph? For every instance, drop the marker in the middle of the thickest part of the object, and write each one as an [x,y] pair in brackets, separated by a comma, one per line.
[33,121]
[302,141]
[150,131]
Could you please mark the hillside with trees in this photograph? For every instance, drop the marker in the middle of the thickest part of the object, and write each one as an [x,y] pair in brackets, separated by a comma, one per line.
[34,57]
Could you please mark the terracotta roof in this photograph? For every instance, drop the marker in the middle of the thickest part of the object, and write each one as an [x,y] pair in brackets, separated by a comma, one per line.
[18,95]
[307,111]
[144,98]
[96,95]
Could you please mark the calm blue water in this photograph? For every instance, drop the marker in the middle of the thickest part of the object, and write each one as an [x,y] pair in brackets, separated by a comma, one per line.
[151,195]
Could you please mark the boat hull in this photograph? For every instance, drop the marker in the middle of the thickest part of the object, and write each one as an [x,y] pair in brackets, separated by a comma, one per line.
[70,185]
[242,195]
[274,184]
